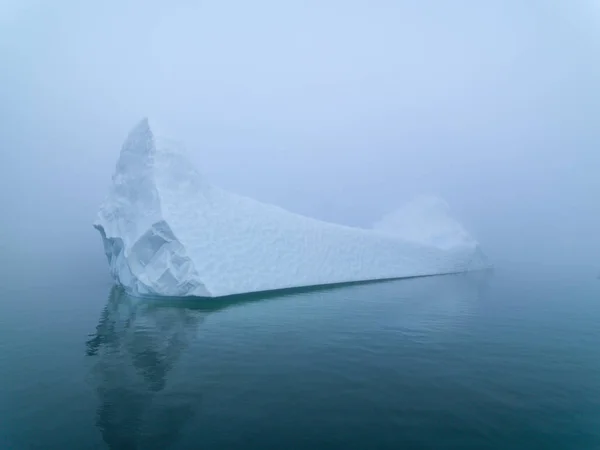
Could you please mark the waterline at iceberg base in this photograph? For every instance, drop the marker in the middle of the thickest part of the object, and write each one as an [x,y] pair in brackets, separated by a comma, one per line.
[167,232]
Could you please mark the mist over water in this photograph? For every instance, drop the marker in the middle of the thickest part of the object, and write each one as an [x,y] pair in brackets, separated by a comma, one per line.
[342,111]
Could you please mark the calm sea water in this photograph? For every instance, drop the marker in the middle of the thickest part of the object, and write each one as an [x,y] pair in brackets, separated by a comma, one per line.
[498,360]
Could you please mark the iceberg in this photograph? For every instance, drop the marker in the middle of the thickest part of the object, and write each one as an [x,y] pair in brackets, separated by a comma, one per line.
[168,232]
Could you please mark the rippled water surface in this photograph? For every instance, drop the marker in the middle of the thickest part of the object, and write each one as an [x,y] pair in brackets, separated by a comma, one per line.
[497,360]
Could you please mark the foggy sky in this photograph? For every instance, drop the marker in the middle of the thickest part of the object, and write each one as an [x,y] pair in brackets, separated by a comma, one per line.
[342,110]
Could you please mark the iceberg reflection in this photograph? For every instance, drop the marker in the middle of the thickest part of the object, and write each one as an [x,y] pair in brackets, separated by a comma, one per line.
[345,333]
[136,345]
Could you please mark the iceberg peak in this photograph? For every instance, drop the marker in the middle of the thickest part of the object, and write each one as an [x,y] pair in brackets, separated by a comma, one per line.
[140,139]
[167,232]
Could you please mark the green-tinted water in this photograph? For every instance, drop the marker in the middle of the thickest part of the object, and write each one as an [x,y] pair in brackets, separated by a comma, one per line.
[499,361]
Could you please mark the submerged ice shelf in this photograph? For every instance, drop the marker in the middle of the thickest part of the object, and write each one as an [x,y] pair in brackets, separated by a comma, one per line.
[167,232]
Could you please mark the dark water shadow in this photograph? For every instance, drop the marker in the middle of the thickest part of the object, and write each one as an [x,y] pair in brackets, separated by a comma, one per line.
[213,304]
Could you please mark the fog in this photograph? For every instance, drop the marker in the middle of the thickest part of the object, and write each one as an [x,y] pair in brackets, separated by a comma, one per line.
[342,110]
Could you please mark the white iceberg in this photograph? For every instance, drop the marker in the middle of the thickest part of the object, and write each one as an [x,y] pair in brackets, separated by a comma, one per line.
[167,232]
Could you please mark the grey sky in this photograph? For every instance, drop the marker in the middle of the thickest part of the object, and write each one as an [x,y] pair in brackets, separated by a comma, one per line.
[341,110]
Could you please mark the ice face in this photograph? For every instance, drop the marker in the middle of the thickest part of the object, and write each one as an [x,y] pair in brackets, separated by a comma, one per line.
[167,232]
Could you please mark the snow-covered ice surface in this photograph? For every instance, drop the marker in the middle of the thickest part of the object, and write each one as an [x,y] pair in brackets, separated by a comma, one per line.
[167,232]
